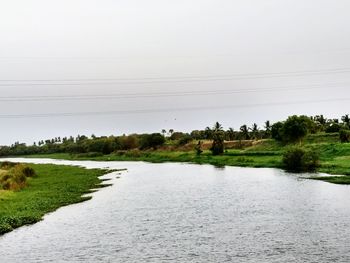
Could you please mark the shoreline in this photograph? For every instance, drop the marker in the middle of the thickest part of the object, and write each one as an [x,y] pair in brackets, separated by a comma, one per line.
[337,174]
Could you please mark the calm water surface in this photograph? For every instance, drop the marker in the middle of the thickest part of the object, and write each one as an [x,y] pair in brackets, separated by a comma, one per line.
[191,213]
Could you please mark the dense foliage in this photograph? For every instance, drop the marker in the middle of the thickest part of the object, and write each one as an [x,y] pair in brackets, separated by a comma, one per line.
[344,135]
[292,130]
[297,159]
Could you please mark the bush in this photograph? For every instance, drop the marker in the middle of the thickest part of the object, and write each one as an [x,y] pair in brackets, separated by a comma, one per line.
[135,153]
[198,148]
[7,165]
[16,177]
[297,159]
[153,140]
[28,171]
[184,140]
[333,127]
[344,135]
[89,155]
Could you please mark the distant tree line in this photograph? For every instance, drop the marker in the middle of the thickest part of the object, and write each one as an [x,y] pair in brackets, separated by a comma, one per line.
[292,130]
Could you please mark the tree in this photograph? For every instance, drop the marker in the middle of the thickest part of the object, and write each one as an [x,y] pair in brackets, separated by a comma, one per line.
[295,128]
[276,131]
[267,127]
[218,136]
[164,132]
[255,131]
[171,131]
[320,119]
[244,132]
[346,120]
[198,148]
[230,134]
[208,133]
[217,127]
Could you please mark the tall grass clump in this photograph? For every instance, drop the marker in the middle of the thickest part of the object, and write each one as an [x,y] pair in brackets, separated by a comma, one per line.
[15,177]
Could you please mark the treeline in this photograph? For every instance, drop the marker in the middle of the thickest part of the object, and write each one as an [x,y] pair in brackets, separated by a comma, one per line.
[84,144]
[292,130]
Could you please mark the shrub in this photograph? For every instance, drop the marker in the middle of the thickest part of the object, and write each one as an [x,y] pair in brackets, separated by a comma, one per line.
[297,159]
[153,140]
[198,148]
[185,140]
[344,135]
[135,153]
[128,142]
[16,177]
[28,171]
[7,165]
[333,127]
[177,136]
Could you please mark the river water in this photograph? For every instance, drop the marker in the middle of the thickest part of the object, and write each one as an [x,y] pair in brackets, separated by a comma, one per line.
[191,213]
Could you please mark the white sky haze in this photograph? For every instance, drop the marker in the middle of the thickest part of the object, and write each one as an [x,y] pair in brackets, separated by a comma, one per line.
[112,67]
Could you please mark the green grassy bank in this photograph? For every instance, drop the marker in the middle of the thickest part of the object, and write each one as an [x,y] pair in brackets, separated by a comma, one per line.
[52,187]
[334,156]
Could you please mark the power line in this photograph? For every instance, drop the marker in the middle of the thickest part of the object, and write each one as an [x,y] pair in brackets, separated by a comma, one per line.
[183,109]
[151,80]
[113,96]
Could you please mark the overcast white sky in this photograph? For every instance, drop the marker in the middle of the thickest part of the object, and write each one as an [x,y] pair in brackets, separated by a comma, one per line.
[241,52]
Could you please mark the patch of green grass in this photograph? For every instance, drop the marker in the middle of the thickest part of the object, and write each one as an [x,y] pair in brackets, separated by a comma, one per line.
[53,187]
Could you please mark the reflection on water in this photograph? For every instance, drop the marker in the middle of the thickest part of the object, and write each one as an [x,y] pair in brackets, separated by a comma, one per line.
[192,213]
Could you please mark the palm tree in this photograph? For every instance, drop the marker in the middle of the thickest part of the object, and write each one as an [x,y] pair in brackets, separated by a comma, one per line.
[217,127]
[230,134]
[171,131]
[208,133]
[255,130]
[218,136]
[267,126]
[320,119]
[244,132]
[164,132]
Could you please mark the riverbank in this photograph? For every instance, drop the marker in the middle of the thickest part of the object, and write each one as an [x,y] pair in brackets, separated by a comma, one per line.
[54,186]
[334,157]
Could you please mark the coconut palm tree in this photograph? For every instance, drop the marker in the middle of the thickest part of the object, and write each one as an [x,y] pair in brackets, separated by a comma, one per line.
[230,134]
[208,133]
[217,127]
[244,132]
[164,132]
[255,131]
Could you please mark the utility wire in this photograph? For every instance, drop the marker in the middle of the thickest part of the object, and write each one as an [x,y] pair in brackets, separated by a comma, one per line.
[113,96]
[150,80]
[183,109]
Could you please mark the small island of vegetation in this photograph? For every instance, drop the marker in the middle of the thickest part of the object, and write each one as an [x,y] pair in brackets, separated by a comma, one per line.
[28,192]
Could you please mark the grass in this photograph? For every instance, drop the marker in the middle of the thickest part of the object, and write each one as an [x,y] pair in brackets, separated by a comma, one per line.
[334,156]
[53,187]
